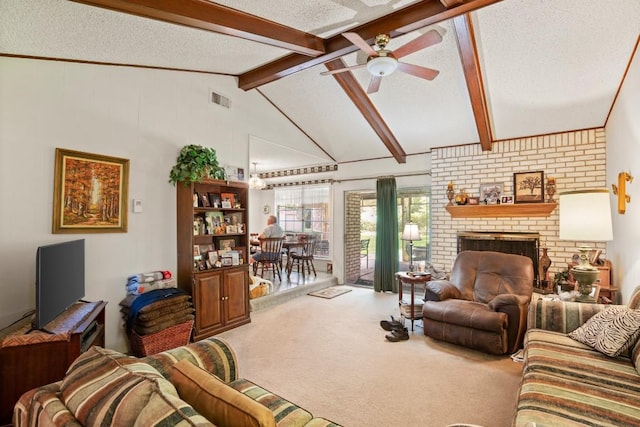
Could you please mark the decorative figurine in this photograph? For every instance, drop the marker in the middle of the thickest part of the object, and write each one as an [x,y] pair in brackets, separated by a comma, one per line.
[551,189]
[450,193]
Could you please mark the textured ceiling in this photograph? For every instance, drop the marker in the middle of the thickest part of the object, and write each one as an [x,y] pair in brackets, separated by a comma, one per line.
[545,66]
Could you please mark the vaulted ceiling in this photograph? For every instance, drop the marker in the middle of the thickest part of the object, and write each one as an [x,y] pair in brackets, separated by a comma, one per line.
[507,69]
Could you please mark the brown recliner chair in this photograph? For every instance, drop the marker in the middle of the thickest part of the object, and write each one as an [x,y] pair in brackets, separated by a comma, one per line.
[484,303]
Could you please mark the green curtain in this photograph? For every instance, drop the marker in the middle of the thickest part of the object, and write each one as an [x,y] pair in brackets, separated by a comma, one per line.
[386,236]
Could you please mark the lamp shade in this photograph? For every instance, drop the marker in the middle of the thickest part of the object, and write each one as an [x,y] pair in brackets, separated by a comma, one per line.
[411,232]
[585,215]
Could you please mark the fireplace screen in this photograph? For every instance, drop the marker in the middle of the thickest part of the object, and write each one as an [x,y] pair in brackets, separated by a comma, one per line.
[526,244]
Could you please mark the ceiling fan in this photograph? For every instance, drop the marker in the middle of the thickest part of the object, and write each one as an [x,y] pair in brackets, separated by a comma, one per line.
[383,62]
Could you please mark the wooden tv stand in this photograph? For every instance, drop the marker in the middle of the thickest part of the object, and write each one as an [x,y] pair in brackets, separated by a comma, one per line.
[30,359]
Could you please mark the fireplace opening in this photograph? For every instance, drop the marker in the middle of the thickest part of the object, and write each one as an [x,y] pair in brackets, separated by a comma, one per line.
[526,244]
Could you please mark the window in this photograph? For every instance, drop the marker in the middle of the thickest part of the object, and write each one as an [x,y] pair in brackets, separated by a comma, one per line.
[306,210]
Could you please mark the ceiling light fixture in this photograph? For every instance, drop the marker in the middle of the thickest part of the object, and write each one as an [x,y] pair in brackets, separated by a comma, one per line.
[255,182]
[382,65]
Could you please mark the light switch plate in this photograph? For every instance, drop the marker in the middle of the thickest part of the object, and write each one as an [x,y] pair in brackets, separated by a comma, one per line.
[137,205]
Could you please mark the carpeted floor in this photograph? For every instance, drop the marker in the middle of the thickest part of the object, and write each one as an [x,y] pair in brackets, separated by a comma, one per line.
[331,357]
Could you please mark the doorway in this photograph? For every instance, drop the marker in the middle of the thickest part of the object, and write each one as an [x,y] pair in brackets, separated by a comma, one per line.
[414,205]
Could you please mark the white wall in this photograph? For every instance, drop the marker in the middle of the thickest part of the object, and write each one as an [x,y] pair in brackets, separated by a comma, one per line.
[139,114]
[623,155]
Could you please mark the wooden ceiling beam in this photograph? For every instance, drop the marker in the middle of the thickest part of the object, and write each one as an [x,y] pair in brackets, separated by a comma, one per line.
[473,75]
[402,21]
[354,91]
[208,16]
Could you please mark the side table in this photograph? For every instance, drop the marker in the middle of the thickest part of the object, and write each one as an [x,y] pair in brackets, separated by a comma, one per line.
[411,279]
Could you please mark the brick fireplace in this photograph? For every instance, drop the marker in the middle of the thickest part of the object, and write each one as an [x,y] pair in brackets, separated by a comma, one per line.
[526,244]
[575,159]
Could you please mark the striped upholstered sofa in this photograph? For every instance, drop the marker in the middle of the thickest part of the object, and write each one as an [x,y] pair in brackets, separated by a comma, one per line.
[568,383]
[193,385]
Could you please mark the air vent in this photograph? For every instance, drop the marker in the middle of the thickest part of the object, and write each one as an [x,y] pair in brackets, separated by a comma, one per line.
[221,100]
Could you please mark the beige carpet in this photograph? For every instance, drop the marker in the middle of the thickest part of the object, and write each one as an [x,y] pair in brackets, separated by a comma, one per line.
[331,357]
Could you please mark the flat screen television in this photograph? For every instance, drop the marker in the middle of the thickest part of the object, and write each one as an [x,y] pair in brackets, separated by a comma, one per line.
[59,280]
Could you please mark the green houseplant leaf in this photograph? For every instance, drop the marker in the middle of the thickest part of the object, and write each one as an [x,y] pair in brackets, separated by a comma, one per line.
[195,163]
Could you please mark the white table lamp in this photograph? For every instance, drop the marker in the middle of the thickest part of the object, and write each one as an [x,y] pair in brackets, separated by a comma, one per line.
[411,233]
[585,216]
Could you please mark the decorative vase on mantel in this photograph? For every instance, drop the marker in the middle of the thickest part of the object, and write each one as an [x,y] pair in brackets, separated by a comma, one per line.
[450,193]
[461,197]
[543,269]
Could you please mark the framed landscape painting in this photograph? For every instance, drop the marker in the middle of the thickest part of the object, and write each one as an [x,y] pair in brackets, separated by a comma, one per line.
[89,193]
[528,187]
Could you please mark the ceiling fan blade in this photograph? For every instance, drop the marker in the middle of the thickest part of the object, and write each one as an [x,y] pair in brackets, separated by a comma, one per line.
[429,38]
[374,84]
[342,70]
[418,71]
[360,43]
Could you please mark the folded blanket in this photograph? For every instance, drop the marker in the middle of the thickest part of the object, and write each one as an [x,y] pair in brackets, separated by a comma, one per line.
[161,312]
[149,277]
[140,288]
[159,327]
[173,318]
[178,298]
[157,298]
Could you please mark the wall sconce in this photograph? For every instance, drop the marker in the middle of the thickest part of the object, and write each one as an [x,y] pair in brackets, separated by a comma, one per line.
[621,191]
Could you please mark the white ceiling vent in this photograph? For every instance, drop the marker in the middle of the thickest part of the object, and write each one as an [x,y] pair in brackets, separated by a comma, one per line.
[222,100]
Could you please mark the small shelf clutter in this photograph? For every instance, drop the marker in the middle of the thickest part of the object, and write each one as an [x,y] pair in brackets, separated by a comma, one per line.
[501,210]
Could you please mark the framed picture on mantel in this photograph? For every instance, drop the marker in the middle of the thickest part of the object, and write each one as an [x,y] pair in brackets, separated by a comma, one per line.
[528,187]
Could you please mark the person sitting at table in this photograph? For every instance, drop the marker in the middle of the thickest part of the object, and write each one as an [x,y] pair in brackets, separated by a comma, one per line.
[271,230]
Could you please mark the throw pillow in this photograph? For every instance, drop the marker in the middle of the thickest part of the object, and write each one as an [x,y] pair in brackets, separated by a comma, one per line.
[611,332]
[219,403]
[635,356]
[104,387]
[167,410]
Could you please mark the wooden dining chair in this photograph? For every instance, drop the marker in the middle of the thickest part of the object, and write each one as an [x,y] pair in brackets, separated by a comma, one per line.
[304,257]
[270,257]
[364,250]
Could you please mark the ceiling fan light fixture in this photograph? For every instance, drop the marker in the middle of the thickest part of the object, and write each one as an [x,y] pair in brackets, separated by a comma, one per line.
[255,182]
[382,65]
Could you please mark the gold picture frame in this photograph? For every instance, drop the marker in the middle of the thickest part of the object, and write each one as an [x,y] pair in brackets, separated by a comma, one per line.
[89,193]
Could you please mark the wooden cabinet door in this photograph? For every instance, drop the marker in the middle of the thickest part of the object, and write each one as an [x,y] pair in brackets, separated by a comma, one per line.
[237,296]
[208,303]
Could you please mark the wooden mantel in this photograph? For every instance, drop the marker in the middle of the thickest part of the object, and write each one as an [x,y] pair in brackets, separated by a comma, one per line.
[501,211]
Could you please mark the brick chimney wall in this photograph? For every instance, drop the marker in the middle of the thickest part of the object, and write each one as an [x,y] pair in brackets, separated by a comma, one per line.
[352,237]
[575,159]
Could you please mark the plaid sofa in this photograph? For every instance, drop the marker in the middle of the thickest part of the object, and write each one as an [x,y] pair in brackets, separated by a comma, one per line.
[567,383]
[104,387]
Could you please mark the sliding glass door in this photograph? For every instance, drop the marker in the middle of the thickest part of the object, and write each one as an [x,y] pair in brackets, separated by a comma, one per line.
[414,205]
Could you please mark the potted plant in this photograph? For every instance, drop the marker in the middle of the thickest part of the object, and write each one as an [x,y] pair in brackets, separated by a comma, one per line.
[562,278]
[195,163]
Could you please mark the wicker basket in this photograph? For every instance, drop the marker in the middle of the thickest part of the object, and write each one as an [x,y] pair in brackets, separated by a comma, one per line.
[172,337]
